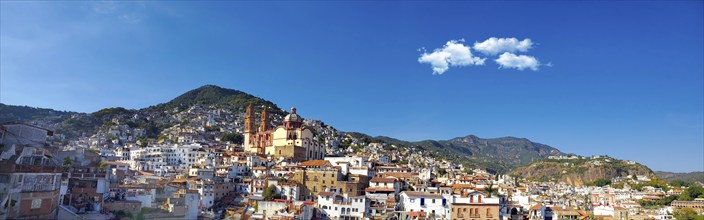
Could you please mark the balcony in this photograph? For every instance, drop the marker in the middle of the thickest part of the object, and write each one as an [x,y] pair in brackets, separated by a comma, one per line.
[38,187]
[88,175]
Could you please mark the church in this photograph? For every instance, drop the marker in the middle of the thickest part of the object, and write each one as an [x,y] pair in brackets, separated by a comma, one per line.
[292,141]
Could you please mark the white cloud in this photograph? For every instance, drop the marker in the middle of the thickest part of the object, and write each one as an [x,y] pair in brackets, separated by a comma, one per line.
[519,62]
[453,54]
[493,46]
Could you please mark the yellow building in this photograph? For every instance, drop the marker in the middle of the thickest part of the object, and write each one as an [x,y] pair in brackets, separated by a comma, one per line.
[292,140]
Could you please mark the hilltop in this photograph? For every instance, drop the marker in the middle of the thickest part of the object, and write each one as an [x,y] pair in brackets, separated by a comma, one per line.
[579,171]
[694,177]
[152,119]
[495,154]
[217,96]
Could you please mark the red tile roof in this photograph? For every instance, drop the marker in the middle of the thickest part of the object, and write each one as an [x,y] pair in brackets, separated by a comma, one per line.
[382,180]
[315,163]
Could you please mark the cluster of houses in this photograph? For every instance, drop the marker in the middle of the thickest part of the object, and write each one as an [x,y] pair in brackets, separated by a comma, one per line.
[283,172]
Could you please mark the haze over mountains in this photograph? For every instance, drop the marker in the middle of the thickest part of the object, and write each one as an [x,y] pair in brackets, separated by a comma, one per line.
[497,154]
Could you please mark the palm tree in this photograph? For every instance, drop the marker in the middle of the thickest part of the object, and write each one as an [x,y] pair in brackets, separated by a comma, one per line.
[490,189]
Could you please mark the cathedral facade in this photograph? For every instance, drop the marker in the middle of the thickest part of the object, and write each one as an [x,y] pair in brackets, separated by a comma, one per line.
[292,140]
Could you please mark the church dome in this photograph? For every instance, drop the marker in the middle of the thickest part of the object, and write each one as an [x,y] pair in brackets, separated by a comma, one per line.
[293,117]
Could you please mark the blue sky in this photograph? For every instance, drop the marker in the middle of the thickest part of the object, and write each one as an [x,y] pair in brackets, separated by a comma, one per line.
[624,78]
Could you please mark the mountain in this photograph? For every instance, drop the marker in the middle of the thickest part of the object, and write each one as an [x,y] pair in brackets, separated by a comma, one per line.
[694,177]
[152,119]
[194,107]
[215,95]
[26,113]
[580,170]
[495,154]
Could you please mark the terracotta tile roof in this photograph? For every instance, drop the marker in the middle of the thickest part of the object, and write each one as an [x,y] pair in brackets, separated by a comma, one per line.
[420,194]
[462,186]
[399,175]
[145,173]
[315,163]
[116,163]
[373,189]
[382,180]
[326,193]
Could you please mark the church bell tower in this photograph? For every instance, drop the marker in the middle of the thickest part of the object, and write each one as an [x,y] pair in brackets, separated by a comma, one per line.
[249,128]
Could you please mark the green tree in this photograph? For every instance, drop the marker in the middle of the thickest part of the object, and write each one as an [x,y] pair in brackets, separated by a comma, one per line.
[143,141]
[680,183]
[270,192]
[468,171]
[600,182]
[211,128]
[103,165]
[692,193]
[94,150]
[687,214]
[617,185]
[235,138]
[490,190]
[67,161]
[442,171]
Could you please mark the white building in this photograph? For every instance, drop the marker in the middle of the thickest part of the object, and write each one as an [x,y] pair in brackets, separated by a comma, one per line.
[432,204]
[335,206]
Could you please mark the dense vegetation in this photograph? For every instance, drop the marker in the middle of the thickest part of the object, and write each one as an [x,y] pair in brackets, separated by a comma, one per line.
[583,171]
[26,113]
[270,192]
[688,194]
[214,95]
[234,138]
[497,155]
[599,182]
[692,177]
[687,214]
